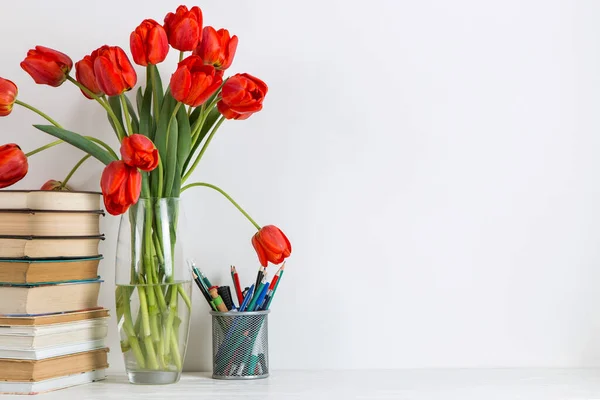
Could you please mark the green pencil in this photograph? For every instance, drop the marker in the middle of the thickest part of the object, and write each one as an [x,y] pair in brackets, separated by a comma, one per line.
[276,286]
[256,295]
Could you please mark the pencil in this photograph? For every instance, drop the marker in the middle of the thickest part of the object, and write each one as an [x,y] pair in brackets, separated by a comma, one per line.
[236,284]
[261,273]
[276,286]
[202,288]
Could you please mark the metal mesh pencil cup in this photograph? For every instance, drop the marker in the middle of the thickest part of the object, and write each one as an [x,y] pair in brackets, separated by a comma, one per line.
[240,345]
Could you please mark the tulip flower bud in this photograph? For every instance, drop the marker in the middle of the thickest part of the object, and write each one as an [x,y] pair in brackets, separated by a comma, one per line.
[13,165]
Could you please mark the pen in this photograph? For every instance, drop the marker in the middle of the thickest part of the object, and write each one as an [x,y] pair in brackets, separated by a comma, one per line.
[260,298]
[247,298]
[257,293]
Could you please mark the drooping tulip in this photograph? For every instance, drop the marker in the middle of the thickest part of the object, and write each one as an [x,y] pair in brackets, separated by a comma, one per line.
[242,96]
[84,73]
[13,165]
[271,245]
[113,71]
[8,95]
[54,185]
[121,186]
[149,43]
[217,48]
[139,151]
[47,66]
[184,28]
[193,82]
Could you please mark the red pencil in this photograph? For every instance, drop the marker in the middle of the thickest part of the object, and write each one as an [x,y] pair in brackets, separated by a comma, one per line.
[274,281]
[236,284]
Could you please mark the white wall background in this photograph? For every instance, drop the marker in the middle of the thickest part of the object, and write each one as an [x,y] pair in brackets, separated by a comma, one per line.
[434,164]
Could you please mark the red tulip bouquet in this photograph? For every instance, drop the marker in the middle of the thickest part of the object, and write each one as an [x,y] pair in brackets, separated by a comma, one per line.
[163,138]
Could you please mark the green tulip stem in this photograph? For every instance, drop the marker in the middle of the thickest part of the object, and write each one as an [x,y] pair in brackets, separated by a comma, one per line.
[208,140]
[126,112]
[228,197]
[44,147]
[66,180]
[120,131]
[93,139]
[180,56]
[35,110]
[160,175]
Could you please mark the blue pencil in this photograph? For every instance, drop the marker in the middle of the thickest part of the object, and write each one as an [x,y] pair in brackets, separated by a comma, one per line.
[247,298]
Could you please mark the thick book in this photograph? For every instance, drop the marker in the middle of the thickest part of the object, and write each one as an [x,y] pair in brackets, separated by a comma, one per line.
[25,338]
[49,248]
[50,319]
[49,223]
[34,299]
[45,271]
[50,352]
[49,200]
[48,385]
[37,370]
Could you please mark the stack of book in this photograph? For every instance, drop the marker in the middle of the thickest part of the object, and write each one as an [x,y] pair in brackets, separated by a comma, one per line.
[52,330]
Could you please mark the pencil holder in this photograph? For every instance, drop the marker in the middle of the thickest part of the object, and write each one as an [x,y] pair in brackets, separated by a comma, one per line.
[240,345]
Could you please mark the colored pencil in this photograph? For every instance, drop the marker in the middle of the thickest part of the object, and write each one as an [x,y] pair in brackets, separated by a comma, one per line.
[260,275]
[282,270]
[236,284]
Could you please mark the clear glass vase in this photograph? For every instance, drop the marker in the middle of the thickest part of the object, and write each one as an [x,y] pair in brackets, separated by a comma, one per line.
[153,291]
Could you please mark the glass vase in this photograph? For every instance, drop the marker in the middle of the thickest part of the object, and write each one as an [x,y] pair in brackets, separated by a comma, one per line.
[153,290]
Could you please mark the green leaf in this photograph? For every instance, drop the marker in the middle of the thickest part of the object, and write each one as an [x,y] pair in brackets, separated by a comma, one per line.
[176,191]
[171,160]
[184,138]
[135,123]
[139,97]
[160,138]
[115,104]
[212,117]
[78,141]
[146,115]
[159,85]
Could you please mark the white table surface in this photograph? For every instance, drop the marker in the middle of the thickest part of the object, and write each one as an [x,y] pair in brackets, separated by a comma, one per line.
[463,384]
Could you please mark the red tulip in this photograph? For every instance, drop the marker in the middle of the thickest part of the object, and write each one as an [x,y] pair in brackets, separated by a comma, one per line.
[47,66]
[54,185]
[184,28]
[13,165]
[8,95]
[193,82]
[217,48]
[139,151]
[271,245]
[149,43]
[113,70]
[121,185]
[84,73]
[242,96]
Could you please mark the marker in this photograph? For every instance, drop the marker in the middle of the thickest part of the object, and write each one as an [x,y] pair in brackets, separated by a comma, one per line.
[217,299]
